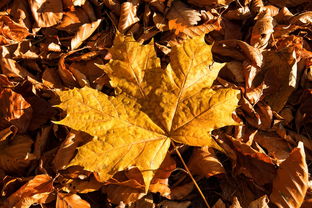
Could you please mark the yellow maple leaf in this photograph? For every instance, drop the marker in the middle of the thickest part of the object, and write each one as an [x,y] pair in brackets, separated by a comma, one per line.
[135,128]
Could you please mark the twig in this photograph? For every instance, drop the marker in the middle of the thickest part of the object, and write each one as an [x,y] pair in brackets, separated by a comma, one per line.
[189,173]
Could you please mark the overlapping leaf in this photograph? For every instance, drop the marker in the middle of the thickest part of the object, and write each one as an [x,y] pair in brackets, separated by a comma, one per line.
[135,128]
[291,182]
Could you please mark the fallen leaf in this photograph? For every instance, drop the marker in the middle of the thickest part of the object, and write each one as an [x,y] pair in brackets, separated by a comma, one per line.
[219,204]
[160,182]
[180,17]
[83,33]
[37,190]
[173,204]
[280,77]
[291,182]
[46,12]
[11,31]
[262,202]
[16,155]
[204,163]
[288,3]
[210,2]
[70,200]
[15,110]
[128,15]
[262,30]
[166,111]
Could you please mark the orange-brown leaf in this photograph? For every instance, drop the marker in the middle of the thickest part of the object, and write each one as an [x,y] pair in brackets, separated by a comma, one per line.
[291,182]
[70,201]
[37,190]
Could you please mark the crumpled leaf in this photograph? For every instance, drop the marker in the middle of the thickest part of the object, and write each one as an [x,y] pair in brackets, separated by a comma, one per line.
[303,19]
[14,109]
[261,202]
[204,163]
[11,31]
[46,12]
[180,107]
[37,190]
[262,31]
[280,77]
[209,2]
[128,15]
[181,16]
[70,200]
[15,155]
[288,3]
[83,33]
[291,182]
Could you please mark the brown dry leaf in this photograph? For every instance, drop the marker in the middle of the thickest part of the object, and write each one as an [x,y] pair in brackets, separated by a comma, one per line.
[81,184]
[20,13]
[180,16]
[173,204]
[276,146]
[280,77]
[15,154]
[304,113]
[41,141]
[181,191]
[210,2]
[255,95]
[302,19]
[291,182]
[64,72]
[15,110]
[46,12]
[235,203]
[68,147]
[202,29]
[288,3]
[128,15]
[240,13]
[262,30]
[116,193]
[70,201]
[4,2]
[12,68]
[4,133]
[11,31]
[146,202]
[238,50]
[160,182]
[204,163]
[219,204]
[90,69]
[262,202]
[242,188]
[252,163]
[83,33]
[37,190]
[72,20]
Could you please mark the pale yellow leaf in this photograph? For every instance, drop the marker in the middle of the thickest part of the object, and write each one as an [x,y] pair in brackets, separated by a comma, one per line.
[135,127]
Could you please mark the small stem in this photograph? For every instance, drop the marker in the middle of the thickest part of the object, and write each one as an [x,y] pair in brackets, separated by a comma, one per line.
[189,173]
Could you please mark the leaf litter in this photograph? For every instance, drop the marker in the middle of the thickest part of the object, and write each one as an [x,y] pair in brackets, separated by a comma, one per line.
[150,103]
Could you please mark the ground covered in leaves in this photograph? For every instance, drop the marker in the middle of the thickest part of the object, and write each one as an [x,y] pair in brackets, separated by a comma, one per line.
[155,103]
